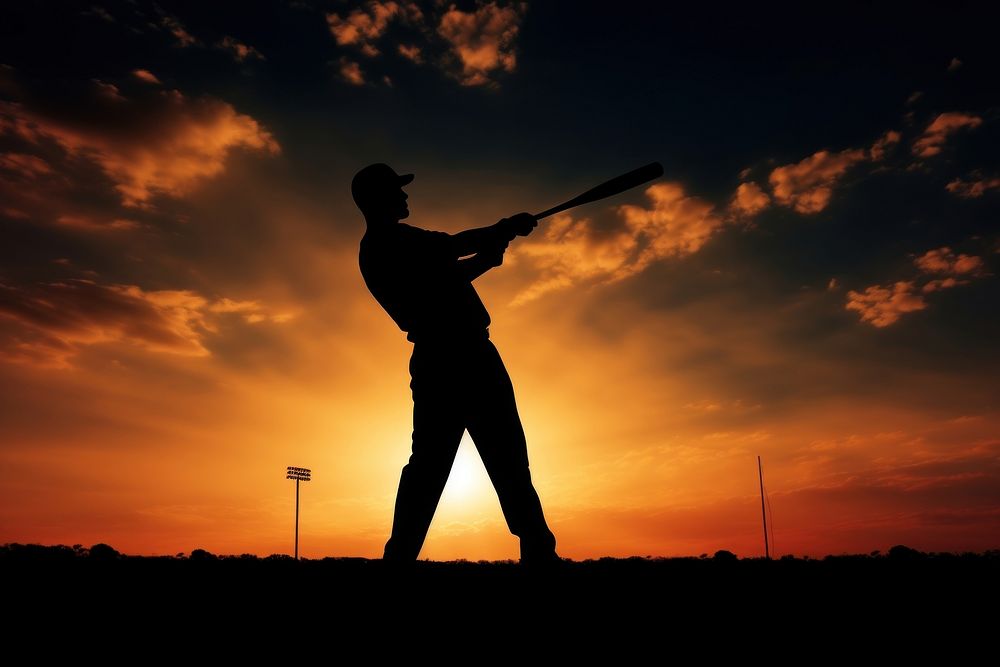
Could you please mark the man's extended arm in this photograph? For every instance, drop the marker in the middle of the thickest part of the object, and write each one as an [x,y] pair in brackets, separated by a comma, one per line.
[474,241]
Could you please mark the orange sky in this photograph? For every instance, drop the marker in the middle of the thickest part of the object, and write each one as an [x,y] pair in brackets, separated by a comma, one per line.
[182,317]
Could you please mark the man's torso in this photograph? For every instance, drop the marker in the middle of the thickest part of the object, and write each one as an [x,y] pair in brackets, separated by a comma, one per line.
[414,276]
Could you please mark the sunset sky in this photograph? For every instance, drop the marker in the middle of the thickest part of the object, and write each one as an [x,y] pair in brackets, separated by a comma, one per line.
[814,279]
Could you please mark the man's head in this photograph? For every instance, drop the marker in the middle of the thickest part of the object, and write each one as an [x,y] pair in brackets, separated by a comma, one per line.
[378,192]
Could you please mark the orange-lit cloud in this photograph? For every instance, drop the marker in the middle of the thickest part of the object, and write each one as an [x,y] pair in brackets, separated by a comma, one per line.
[808,185]
[570,251]
[934,137]
[241,52]
[973,187]
[954,270]
[363,26]
[944,260]
[482,40]
[25,166]
[145,75]
[881,306]
[48,323]
[108,90]
[470,46]
[350,72]
[884,144]
[749,200]
[411,52]
[167,146]
[88,224]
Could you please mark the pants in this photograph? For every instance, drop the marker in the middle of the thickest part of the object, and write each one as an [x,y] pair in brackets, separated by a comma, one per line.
[457,387]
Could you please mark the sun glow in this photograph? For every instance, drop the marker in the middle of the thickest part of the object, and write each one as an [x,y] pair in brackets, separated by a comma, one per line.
[468,480]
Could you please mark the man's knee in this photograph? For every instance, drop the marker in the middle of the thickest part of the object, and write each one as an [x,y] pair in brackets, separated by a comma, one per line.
[427,461]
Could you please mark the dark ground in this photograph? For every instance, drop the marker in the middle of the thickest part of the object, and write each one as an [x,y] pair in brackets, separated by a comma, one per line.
[904,603]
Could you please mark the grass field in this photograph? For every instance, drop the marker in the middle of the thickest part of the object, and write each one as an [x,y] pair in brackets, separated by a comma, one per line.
[896,602]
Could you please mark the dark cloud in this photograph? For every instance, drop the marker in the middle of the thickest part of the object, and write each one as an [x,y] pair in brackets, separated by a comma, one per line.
[47,324]
[240,52]
[159,142]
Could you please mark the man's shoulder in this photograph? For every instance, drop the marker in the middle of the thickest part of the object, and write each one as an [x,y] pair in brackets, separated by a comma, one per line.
[420,232]
[400,238]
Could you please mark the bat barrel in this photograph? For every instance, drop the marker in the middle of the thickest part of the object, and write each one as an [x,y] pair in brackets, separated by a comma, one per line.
[615,186]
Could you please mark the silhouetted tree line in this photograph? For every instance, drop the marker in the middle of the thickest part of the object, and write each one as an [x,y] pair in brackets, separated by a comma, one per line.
[37,553]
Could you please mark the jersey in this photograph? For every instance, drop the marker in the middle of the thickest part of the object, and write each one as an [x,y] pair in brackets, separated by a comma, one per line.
[415,276]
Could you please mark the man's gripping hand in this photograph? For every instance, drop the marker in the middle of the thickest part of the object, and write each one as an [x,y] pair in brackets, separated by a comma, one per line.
[520,224]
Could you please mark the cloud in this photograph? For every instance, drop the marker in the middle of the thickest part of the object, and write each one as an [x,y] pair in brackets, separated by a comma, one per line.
[54,320]
[145,75]
[89,224]
[482,40]
[241,52]
[571,251]
[470,46]
[100,13]
[25,166]
[941,283]
[363,26]
[884,144]
[411,52]
[108,90]
[48,324]
[943,260]
[973,187]
[881,306]
[933,138]
[807,185]
[164,143]
[180,33]
[14,213]
[749,200]
[955,269]
[350,72]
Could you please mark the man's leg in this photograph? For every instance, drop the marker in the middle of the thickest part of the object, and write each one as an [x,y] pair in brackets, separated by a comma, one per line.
[437,431]
[496,429]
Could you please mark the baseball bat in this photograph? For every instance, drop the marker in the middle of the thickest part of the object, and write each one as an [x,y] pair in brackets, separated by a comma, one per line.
[610,188]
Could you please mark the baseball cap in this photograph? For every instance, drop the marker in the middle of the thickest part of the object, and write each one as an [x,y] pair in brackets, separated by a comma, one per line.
[374,180]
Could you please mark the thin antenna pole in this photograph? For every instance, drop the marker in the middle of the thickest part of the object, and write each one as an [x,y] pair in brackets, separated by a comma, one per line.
[296,519]
[763,514]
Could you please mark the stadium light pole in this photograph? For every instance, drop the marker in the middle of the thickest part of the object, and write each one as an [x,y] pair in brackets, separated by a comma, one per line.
[299,475]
